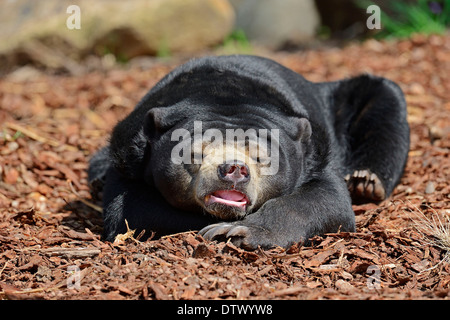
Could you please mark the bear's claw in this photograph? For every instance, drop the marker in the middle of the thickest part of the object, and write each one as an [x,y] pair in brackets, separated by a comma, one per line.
[239,235]
[364,184]
[225,230]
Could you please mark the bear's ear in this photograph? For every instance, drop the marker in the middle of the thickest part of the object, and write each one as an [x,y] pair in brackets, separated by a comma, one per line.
[161,119]
[303,130]
[153,122]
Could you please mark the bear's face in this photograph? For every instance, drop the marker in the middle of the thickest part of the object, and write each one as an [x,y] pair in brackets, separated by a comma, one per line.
[229,182]
[219,168]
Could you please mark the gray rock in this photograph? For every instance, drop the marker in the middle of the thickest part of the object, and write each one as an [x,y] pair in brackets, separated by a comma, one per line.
[126,28]
[276,23]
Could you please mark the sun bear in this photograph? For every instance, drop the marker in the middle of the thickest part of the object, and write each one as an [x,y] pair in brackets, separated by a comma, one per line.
[244,149]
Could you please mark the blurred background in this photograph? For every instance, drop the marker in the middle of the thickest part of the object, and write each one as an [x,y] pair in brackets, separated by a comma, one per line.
[70,69]
[54,36]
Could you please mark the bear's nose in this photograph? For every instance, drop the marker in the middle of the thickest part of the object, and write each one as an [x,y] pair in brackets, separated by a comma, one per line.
[235,172]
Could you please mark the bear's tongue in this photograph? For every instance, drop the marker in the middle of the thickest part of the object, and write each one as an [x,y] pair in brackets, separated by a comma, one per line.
[229,197]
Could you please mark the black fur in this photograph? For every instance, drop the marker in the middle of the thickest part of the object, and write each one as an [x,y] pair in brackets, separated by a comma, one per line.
[356,124]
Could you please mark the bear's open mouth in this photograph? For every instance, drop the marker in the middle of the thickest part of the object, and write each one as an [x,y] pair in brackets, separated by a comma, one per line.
[231,198]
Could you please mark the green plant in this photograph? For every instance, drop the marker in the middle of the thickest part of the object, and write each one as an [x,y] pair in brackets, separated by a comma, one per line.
[236,42]
[422,16]
[164,49]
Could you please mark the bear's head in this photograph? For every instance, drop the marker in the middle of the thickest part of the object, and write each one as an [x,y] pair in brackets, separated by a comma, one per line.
[224,161]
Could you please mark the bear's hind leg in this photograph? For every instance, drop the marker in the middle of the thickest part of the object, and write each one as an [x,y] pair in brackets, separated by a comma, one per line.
[371,117]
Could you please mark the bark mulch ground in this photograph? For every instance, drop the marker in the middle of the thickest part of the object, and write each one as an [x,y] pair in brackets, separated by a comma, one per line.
[50,244]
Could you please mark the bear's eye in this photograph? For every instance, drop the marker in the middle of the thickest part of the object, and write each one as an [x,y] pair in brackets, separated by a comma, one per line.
[198,156]
[255,159]
[261,160]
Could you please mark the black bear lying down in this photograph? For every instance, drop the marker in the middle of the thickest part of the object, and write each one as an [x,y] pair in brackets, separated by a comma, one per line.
[242,148]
